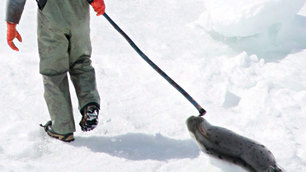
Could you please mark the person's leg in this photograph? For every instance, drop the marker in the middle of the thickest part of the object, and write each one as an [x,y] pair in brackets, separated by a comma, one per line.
[57,96]
[82,75]
[81,71]
[54,64]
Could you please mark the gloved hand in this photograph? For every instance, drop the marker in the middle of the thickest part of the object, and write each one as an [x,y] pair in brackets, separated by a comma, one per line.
[12,33]
[98,6]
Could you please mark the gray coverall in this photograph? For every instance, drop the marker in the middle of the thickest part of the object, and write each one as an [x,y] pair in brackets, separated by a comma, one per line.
[64,46]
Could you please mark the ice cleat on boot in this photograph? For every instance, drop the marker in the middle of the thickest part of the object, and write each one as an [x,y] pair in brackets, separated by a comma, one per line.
[89,120]
[63,137]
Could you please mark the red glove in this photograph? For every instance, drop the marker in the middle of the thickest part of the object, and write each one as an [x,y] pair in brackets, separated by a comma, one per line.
[98,6]
[12,33]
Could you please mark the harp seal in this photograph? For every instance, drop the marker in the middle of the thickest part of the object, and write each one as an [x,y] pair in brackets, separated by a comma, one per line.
[225,144]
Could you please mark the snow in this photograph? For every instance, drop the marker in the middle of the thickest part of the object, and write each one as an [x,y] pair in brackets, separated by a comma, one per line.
[245,18]
[242,60]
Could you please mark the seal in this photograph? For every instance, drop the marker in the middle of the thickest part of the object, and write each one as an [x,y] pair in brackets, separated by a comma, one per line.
[227,145]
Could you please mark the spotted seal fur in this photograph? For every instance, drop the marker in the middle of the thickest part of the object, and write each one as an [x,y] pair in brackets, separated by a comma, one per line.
[225,144]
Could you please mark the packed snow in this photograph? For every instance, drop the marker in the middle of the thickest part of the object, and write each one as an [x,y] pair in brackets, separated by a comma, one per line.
[243,61]
[248,17]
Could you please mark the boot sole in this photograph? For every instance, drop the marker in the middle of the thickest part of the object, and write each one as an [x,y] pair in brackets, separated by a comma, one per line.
[65,138]
[84,123]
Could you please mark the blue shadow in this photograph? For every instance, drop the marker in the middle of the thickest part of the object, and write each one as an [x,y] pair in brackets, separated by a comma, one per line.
[137,146]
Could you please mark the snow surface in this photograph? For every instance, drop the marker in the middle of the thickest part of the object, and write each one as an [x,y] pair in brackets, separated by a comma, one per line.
[244,61]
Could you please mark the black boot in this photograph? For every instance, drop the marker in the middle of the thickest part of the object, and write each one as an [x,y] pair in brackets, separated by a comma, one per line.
[89,120]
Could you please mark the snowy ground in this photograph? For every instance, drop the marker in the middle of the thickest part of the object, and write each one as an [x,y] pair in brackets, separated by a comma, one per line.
[251,81]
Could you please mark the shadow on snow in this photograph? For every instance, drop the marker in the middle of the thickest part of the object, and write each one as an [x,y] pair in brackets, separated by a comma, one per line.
[137,146]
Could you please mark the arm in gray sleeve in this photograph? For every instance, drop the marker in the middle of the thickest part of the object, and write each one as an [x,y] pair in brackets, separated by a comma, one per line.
[14,10]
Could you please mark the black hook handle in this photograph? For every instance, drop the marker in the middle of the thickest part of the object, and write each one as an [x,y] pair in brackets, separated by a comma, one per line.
[156,68]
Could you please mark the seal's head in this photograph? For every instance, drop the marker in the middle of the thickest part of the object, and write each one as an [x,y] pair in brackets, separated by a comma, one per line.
[193,123]
[199,130]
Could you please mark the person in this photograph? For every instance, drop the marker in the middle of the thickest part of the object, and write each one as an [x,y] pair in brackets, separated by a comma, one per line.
[63,34]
